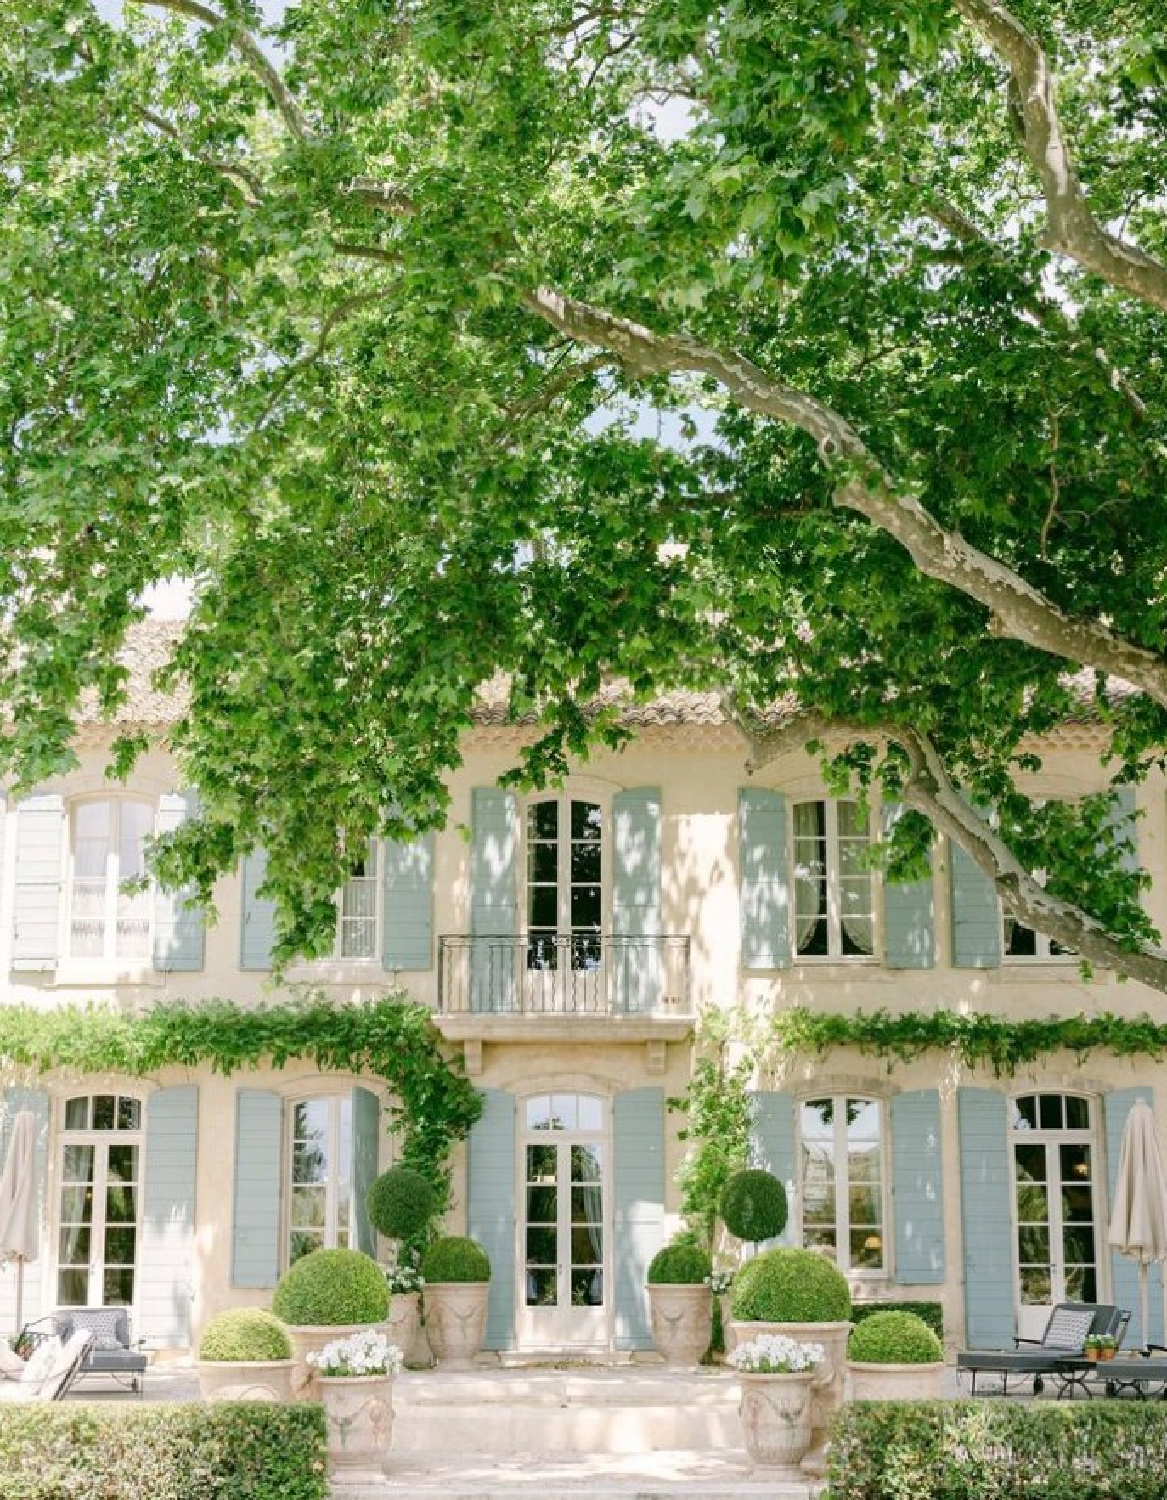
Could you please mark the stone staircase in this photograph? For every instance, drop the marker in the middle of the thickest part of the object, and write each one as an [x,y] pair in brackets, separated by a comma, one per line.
[612,1433]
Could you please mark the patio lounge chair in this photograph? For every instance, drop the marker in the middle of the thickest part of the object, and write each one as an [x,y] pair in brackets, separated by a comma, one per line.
[1064,1340]
[49,1371]
[111,1353]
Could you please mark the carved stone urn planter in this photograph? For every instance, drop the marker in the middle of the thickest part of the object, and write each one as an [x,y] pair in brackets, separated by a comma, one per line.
[776,1417]
[682,1323]
[404,1319]
[310,1338]
[455,1321]
[359,1412]
[872,1382]
[246,1379]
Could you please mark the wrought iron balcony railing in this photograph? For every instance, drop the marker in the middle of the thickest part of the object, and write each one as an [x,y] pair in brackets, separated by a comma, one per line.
[563,974]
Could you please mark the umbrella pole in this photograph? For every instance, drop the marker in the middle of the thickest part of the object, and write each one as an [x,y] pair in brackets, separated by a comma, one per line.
[19,1292]
[1144,1327]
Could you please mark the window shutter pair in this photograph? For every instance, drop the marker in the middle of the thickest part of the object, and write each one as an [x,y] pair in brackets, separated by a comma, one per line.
[40,858]
[766,897]
[256,1249]
[407,936]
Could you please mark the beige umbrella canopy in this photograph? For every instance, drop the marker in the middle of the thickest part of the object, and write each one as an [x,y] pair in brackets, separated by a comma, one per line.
[19,1230]
[1138,1218]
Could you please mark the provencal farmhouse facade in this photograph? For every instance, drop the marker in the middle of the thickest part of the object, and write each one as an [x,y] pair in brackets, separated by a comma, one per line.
[565,943]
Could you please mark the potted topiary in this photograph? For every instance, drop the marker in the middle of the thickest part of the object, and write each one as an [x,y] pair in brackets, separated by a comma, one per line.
[323,1296]
[753,1207]
[245,1355]
[401,1204]
[355,1374]
[778,1376]
[894,1356]
[457,1284]
[803,1295]
[681,1303]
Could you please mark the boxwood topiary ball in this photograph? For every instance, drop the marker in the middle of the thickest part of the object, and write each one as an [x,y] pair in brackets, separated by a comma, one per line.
[452,1257]
[791,1286]
[401,1203]
[894,1338]
[245,1333]
[332,1287]
[753,1205]
[680,1264]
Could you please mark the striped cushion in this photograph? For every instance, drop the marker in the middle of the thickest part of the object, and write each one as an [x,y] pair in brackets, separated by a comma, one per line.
[1067,1329]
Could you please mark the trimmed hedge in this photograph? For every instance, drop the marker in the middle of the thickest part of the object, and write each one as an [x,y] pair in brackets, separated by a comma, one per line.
[680,1263]
[753,1205]
[931,1312]
[789,1285]
[401,1203]
[894,1338]
[453,1257]
[246,1451]
[998,1450]
[245,1333]
[331,1287]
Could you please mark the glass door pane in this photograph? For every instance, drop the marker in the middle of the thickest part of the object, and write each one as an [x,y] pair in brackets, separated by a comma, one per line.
[586,1259]
[1034,1261]
[542,1227]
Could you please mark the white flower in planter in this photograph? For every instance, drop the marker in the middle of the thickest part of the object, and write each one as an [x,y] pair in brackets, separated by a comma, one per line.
[364,1353]
[775,1354]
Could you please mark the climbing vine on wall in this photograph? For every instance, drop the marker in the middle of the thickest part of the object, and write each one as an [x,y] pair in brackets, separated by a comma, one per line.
[717,1104]
[394,1039]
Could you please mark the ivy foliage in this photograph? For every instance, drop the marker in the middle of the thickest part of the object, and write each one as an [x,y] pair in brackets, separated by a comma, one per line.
[717,1106]
[433,1108]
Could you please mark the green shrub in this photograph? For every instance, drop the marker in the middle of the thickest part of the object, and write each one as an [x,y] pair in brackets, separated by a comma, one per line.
[999,1450]
[401,1203]
[931,1312]
[245,1333]
[894,1338]
[453,1258]
[791,1286]
[753,1205]
[681,1263]
[331,1287]
[134,1451]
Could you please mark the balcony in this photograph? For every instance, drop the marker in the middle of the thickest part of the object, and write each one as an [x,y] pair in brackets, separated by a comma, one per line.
[564,975]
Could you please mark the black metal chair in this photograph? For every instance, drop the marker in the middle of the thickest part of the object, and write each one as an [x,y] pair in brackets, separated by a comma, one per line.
[1035,1360]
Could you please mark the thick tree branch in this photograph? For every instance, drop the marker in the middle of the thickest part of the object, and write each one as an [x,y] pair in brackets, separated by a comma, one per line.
[242,178]
[1018,610]
[1071,228]
[929,789]
[342,311]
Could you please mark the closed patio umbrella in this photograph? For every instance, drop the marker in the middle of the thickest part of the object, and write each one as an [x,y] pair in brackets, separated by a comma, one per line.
[19,1230]
[1138,1219]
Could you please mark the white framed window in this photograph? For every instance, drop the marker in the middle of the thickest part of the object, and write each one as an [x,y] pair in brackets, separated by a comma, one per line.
[566,859]
[320,1174]
[1056,1205]
[834,893]
[99,1200]
[358,908]
[107,849]
[841,1180]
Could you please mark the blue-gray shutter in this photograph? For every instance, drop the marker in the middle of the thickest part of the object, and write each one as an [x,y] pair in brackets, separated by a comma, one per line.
[772,1149]
[976,914]
[491,1209]
[636,900]
[255,1225]
[407,940]
[494,900]
[986,1218]
[917,1187]
[908,936]
[638,1186]
[366,1152]
[258,932]
[1122,821]
[764,890]
[37,1297]
[166,1247]
[1123,1268]
[37,898]
[178,927]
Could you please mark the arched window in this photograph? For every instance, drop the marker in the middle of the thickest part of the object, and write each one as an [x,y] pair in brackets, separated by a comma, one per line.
[100,1200]
[320,1158]
[1054,1171]
[108,848]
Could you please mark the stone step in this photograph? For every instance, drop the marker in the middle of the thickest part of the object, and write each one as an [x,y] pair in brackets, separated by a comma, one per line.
[602,1411]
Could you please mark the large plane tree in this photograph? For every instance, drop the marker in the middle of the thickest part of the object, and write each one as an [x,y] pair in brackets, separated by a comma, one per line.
[808,352]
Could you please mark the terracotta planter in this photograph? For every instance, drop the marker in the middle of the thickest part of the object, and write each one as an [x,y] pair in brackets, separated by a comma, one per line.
[682,1323]
[308,1338]
[246,1379]
[359,1412]
[776,1417]
[455,1321]
[870,1382]
[404,1320]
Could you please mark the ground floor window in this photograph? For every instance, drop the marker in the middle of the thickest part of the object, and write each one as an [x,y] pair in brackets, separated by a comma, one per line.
[1056,1210]
[320,1194]
[841,1180]
[99,1204]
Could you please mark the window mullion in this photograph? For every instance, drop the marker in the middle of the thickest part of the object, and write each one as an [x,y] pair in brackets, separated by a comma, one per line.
[831,861]
[112,850]
[842,1186]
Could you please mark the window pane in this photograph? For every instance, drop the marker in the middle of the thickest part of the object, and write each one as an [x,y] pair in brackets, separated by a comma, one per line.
[309,1207]
[543,906]
[565,1111]
[866,1249]
[541,1288]
[76,1205]
[73,1288]
[129,1114]
[587,1288]
[77,1164]
[1077,1113]
[585,907]
[587,821]
[543,820]
[819,1238]
[123,1163]
[121,1205]
[135,821]
[104,1112]
[1077,1205]
[1035,1285]
[1030,1163]
[540,1163]
[543,863]
[73,1245]
[1033,1244]
[91,833]
[304,1244]
[585,1161]
[539,1112]
[864,1204]
[587,1245]
[542,1205]
[1025,1113]
[1075,1163]
[119,1245]
[118,1287]
[541,1245]
[1082,1283]
[591,1117]
[77,1113]
[585,862]
[587,1205]
[1050,1111]
[1032,1204]
[1020,942]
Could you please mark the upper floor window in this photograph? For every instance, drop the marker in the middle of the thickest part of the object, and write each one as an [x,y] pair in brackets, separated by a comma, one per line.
[842,1194]
[1020,941]
[320,1194]
[565,883]
[834,910]
[109,849]
[356,921]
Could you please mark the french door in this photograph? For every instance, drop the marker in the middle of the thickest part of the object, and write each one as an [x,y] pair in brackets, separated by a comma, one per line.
[1056,1209]
[563,1281]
